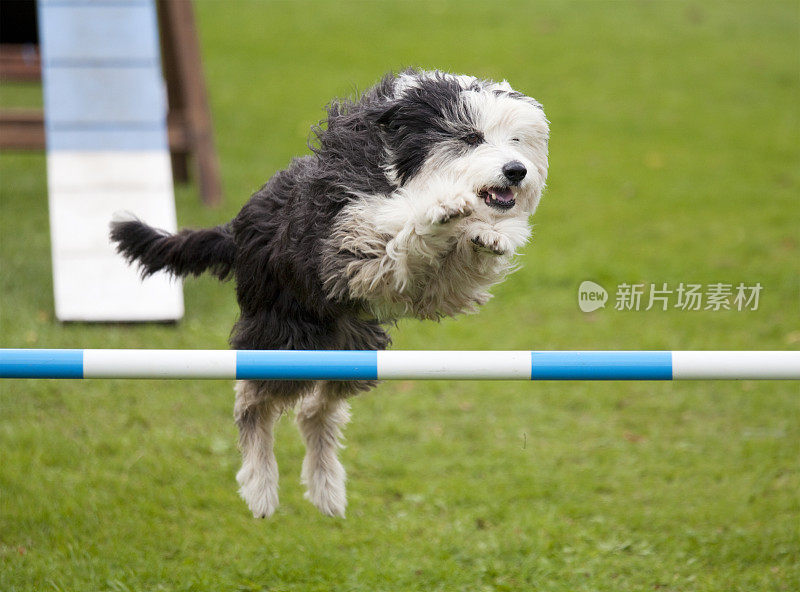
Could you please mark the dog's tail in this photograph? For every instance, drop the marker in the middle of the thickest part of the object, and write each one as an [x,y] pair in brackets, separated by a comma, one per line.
[189,252]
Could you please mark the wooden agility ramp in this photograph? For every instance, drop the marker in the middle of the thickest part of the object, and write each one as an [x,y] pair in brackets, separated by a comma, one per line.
[107,152]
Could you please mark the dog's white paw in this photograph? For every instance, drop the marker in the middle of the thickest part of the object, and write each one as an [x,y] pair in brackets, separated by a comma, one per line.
[491,241]
[259,489]
[326,486]
[445,211]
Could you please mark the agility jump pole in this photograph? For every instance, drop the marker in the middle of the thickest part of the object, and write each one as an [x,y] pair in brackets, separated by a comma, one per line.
[397,364]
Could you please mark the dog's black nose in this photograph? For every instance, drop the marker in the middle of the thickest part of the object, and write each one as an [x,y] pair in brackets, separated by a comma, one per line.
[514,171]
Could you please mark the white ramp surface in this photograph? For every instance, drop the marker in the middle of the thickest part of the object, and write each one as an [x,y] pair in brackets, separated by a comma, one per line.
[107,152]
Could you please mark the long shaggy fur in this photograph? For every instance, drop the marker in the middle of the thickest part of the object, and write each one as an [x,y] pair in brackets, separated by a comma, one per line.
[189,252]
[413,202]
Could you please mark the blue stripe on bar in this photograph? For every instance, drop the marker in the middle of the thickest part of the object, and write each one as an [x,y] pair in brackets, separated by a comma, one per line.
[41,363]
[307,365]
[601,365]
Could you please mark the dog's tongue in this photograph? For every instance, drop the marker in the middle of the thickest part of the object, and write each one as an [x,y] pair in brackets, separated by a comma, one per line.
[502,195]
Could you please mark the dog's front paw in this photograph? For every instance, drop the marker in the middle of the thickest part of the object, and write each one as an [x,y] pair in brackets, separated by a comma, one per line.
[490,241]
[447,211]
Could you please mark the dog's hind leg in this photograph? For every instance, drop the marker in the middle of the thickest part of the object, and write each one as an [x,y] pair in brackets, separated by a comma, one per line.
[256,412]
[321,416]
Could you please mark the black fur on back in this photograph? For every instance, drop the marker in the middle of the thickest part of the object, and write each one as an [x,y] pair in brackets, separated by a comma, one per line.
[350,145]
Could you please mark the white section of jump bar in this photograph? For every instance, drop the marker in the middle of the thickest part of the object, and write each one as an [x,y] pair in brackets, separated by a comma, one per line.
[158,363]
[457,365]
[708,365]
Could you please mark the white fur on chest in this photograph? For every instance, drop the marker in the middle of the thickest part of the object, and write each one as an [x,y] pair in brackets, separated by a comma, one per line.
[412,263]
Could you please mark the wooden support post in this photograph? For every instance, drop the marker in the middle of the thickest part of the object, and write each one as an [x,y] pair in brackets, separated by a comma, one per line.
[186,90]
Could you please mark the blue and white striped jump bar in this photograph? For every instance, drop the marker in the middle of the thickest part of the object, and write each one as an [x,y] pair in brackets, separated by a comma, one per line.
[408,365]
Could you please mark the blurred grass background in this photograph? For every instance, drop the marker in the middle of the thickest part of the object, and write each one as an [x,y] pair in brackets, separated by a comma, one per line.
[674,158]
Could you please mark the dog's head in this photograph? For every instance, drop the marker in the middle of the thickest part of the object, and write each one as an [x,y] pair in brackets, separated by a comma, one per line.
[479,134]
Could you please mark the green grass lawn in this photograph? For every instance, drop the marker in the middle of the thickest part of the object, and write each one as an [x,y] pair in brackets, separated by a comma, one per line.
[675,157]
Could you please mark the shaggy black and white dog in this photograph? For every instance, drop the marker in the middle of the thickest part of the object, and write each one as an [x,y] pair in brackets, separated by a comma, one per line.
[412,204]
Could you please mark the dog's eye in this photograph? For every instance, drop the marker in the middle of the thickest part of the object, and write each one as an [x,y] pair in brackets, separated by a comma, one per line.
[473,139]
[515,139]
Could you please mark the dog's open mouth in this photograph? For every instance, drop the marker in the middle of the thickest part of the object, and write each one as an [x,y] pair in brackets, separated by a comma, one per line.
[498,197]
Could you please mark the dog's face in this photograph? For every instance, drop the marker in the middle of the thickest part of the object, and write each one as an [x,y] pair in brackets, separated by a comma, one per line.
[470,133]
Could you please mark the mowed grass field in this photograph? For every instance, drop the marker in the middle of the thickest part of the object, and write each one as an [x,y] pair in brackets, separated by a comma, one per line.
[675,157]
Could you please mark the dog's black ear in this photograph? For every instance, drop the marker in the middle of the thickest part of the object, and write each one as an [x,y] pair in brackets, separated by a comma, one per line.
[386,118]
